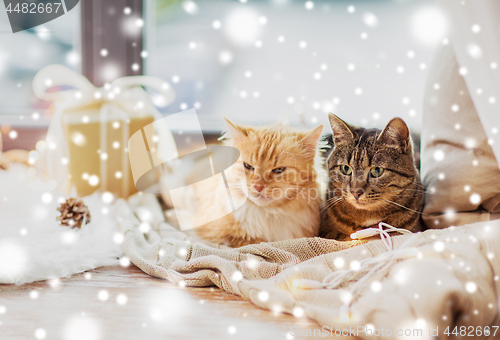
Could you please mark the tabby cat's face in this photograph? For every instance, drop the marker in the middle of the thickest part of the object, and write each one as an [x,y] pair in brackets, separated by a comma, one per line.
[369,167]
[276,163]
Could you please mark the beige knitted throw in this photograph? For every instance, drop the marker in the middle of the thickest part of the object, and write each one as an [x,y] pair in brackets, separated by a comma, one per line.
[454,281]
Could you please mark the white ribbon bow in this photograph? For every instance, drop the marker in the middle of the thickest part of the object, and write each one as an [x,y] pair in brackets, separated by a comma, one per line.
[126,93]
[83,91]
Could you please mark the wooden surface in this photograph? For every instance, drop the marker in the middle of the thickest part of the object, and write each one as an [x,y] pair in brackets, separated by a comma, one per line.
[26,139]
[74,309]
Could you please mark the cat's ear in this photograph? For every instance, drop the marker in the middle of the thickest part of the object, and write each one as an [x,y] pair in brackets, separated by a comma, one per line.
[342,132]
[310,141]
[236,132]
[395,134]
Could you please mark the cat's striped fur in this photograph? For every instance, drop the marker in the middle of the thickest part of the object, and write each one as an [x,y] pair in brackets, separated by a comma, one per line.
[364,198]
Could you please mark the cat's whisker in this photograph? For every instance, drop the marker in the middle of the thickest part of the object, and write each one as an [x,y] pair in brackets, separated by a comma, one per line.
[419,185]
[418,190]
[410,195]
[402,206]
[325,209]
[330,203]
[382,206]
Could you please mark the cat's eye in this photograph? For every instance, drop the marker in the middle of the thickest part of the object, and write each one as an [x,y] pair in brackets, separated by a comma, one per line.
[248,166]
[376,171]
[278,170]
[345,169]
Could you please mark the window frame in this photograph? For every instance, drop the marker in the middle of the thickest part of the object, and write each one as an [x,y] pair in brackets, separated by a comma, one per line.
[122,52]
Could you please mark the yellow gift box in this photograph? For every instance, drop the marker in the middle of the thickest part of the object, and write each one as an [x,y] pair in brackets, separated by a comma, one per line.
[88,135]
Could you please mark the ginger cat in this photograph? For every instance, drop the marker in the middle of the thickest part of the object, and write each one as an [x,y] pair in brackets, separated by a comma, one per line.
[277,178]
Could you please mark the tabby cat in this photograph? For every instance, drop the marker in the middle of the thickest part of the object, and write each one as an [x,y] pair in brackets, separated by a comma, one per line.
[372,179]
[277,179]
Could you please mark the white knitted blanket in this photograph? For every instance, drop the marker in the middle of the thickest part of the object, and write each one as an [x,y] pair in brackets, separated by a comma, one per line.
[449,279]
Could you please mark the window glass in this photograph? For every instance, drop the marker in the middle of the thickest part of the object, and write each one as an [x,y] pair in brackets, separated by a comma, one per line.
[265,61]
[24,53]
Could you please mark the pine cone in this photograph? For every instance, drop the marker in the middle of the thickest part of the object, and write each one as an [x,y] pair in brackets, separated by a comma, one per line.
[73,212]
[4,165]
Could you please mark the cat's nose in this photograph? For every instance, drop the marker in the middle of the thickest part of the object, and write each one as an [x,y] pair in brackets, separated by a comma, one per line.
[357,193]
[259,188]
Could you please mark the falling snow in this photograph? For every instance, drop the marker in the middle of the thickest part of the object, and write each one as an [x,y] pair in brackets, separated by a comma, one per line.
[245,29]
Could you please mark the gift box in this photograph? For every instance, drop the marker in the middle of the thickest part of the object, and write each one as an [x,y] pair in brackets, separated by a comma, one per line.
[89,132]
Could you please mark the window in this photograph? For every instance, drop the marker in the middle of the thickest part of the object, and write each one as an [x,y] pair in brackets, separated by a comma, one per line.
[260,62]
[24,53]
[255,62]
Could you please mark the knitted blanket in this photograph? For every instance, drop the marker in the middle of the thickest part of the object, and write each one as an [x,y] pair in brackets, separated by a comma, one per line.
[449,280]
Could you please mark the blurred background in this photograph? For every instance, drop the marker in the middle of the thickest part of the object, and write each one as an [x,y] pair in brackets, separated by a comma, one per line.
[254,61]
